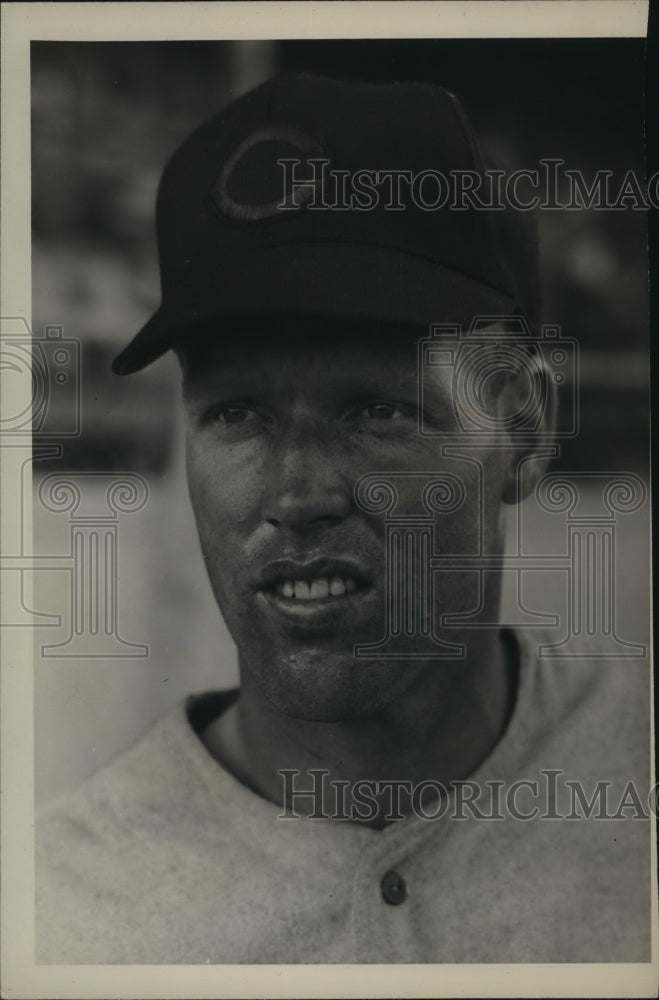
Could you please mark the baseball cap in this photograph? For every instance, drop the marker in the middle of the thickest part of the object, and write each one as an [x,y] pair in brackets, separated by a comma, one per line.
[322,196]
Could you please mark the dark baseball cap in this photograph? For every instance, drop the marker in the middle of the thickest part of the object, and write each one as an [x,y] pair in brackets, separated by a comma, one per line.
[328,197]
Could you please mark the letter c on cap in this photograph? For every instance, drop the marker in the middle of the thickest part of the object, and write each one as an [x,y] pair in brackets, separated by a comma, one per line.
[246,212]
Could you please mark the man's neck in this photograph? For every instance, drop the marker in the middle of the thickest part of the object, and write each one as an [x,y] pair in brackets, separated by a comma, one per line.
[440,732]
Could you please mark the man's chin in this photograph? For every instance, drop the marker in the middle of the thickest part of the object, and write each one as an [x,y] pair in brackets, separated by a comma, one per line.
[319,686]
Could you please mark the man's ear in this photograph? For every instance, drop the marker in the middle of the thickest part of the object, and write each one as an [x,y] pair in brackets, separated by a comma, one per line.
[527,407]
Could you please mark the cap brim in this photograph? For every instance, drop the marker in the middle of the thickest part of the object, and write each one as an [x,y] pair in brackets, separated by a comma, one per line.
[331,280]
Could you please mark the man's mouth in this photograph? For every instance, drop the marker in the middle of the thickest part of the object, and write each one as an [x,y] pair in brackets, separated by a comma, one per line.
[316,590]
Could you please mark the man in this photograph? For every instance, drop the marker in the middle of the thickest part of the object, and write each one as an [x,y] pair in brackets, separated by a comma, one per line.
[320,813]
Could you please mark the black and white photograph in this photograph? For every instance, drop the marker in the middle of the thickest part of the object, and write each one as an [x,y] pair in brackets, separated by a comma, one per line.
[326,450]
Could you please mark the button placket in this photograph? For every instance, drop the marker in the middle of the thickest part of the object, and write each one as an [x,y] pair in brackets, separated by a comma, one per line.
[380,929]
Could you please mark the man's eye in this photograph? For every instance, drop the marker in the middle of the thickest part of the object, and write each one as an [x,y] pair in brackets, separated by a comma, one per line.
[231,414]
[381,411]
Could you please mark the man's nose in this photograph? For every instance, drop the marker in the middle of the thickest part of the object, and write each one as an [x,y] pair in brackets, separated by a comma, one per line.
[306,483]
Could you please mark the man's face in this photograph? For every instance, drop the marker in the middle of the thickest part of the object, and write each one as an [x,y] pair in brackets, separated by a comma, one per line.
[280,426]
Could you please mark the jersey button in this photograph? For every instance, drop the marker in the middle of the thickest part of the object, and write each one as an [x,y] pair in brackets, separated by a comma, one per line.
[393,888]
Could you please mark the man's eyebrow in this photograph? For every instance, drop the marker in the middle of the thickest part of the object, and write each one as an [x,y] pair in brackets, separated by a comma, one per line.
[198,364]
[200,382]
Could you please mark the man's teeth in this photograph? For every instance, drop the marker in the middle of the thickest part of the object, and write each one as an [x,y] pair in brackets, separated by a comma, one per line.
[303,590]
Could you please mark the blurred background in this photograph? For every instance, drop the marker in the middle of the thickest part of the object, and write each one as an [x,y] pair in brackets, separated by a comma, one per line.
[105,118]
